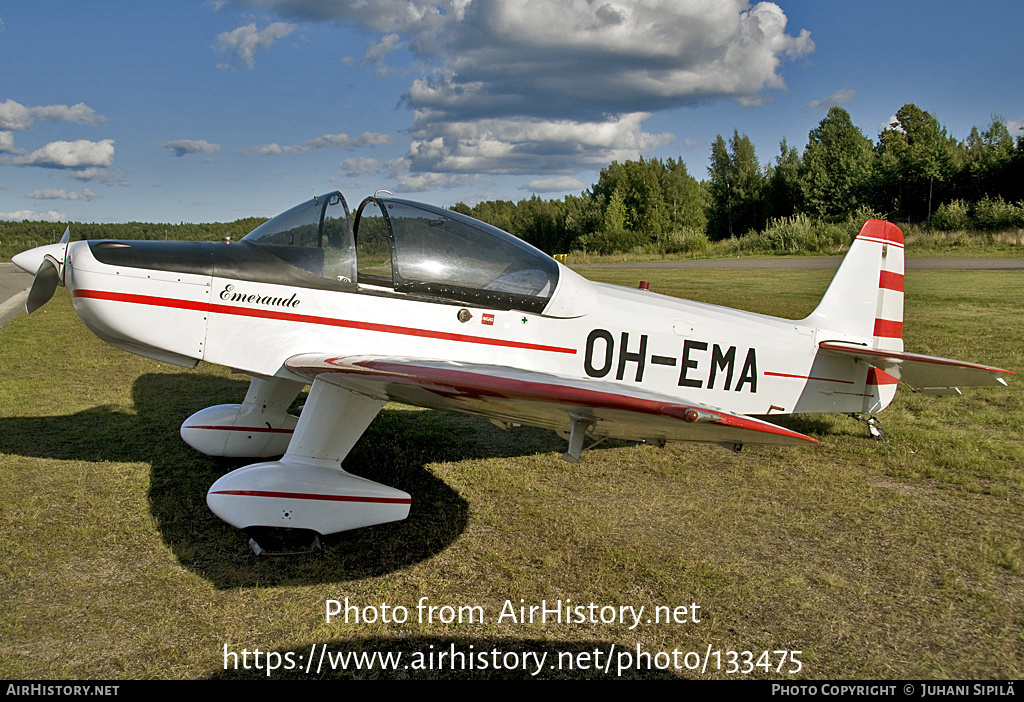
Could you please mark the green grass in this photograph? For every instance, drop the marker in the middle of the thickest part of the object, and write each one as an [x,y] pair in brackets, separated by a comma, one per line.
[895,559]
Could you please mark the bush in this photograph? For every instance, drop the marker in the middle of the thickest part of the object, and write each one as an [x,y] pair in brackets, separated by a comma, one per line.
[686,240]
[791,234]
[832,237]
[609,242]
[796,234]
[952,216]
[998,214]
[783,235]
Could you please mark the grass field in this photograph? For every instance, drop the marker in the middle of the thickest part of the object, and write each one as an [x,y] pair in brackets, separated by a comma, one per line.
[895,559]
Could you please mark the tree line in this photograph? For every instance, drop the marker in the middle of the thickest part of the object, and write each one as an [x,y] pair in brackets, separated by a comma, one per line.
[914,172]
[19,236]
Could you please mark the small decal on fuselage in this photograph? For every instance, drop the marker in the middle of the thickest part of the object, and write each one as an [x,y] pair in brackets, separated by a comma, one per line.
[487,318]
[228,294]
[697,367]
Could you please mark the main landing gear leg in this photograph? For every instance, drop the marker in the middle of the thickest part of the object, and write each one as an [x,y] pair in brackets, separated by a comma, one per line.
[871,423]
[579,426]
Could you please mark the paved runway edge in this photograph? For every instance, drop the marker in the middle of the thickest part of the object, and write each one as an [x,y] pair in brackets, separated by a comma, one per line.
[14,287]
[12,307]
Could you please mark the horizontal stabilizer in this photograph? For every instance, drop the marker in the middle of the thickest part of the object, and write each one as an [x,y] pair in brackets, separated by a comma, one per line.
[540,399]
[923,373]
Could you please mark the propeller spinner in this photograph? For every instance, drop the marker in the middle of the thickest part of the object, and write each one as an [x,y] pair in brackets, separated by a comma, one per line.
[47,263]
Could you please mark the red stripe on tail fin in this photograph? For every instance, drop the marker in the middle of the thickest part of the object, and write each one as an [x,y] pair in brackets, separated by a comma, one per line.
[890,281]
[888,328]
[885,232]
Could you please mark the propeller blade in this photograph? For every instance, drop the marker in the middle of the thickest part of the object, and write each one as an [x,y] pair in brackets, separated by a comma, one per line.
[43,286]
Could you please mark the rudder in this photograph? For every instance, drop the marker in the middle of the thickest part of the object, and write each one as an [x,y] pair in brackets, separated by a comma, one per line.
[865,298]
[864,304]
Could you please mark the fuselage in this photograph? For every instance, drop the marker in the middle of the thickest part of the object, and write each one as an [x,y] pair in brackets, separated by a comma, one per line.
[233,305]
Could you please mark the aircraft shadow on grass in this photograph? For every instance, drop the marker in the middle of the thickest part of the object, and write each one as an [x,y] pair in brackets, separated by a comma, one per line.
[394,451]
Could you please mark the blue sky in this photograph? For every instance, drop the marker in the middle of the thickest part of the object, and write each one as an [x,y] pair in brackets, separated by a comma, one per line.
[211,111]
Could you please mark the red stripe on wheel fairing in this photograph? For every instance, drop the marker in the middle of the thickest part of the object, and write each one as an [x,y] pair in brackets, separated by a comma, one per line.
[268,430]
[316,496]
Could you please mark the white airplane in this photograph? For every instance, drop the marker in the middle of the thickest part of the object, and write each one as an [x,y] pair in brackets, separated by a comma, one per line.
[421,305]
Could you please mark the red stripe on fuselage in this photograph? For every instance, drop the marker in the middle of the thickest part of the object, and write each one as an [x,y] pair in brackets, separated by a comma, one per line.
[311,319]
[171,302]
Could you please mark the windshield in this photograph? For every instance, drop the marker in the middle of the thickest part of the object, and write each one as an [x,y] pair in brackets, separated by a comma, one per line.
[445,254]
[315,236]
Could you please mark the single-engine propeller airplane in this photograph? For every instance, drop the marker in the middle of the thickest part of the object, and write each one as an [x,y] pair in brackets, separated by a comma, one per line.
[421,305]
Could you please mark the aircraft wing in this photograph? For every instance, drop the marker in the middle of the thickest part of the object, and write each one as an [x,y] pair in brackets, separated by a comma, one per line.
[923,373]
[512,395]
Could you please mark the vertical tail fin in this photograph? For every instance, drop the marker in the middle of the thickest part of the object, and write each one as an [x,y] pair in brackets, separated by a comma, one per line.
[865,298]
[864,304]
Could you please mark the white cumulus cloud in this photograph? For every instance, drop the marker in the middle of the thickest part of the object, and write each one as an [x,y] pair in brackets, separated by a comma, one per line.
[892,123]
[399,169]
[14,115]
[7,144]
[836,99]
[56,194]
[69,154]
[327,141]
[360,166]
[573,58]
[180,147]
[48,216]
[246,40]
[525,146]
[376,53]
[558,184]
[501,81]
[101,174]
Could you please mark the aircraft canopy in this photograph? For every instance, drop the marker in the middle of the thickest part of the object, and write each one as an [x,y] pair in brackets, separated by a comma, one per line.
[402,247]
